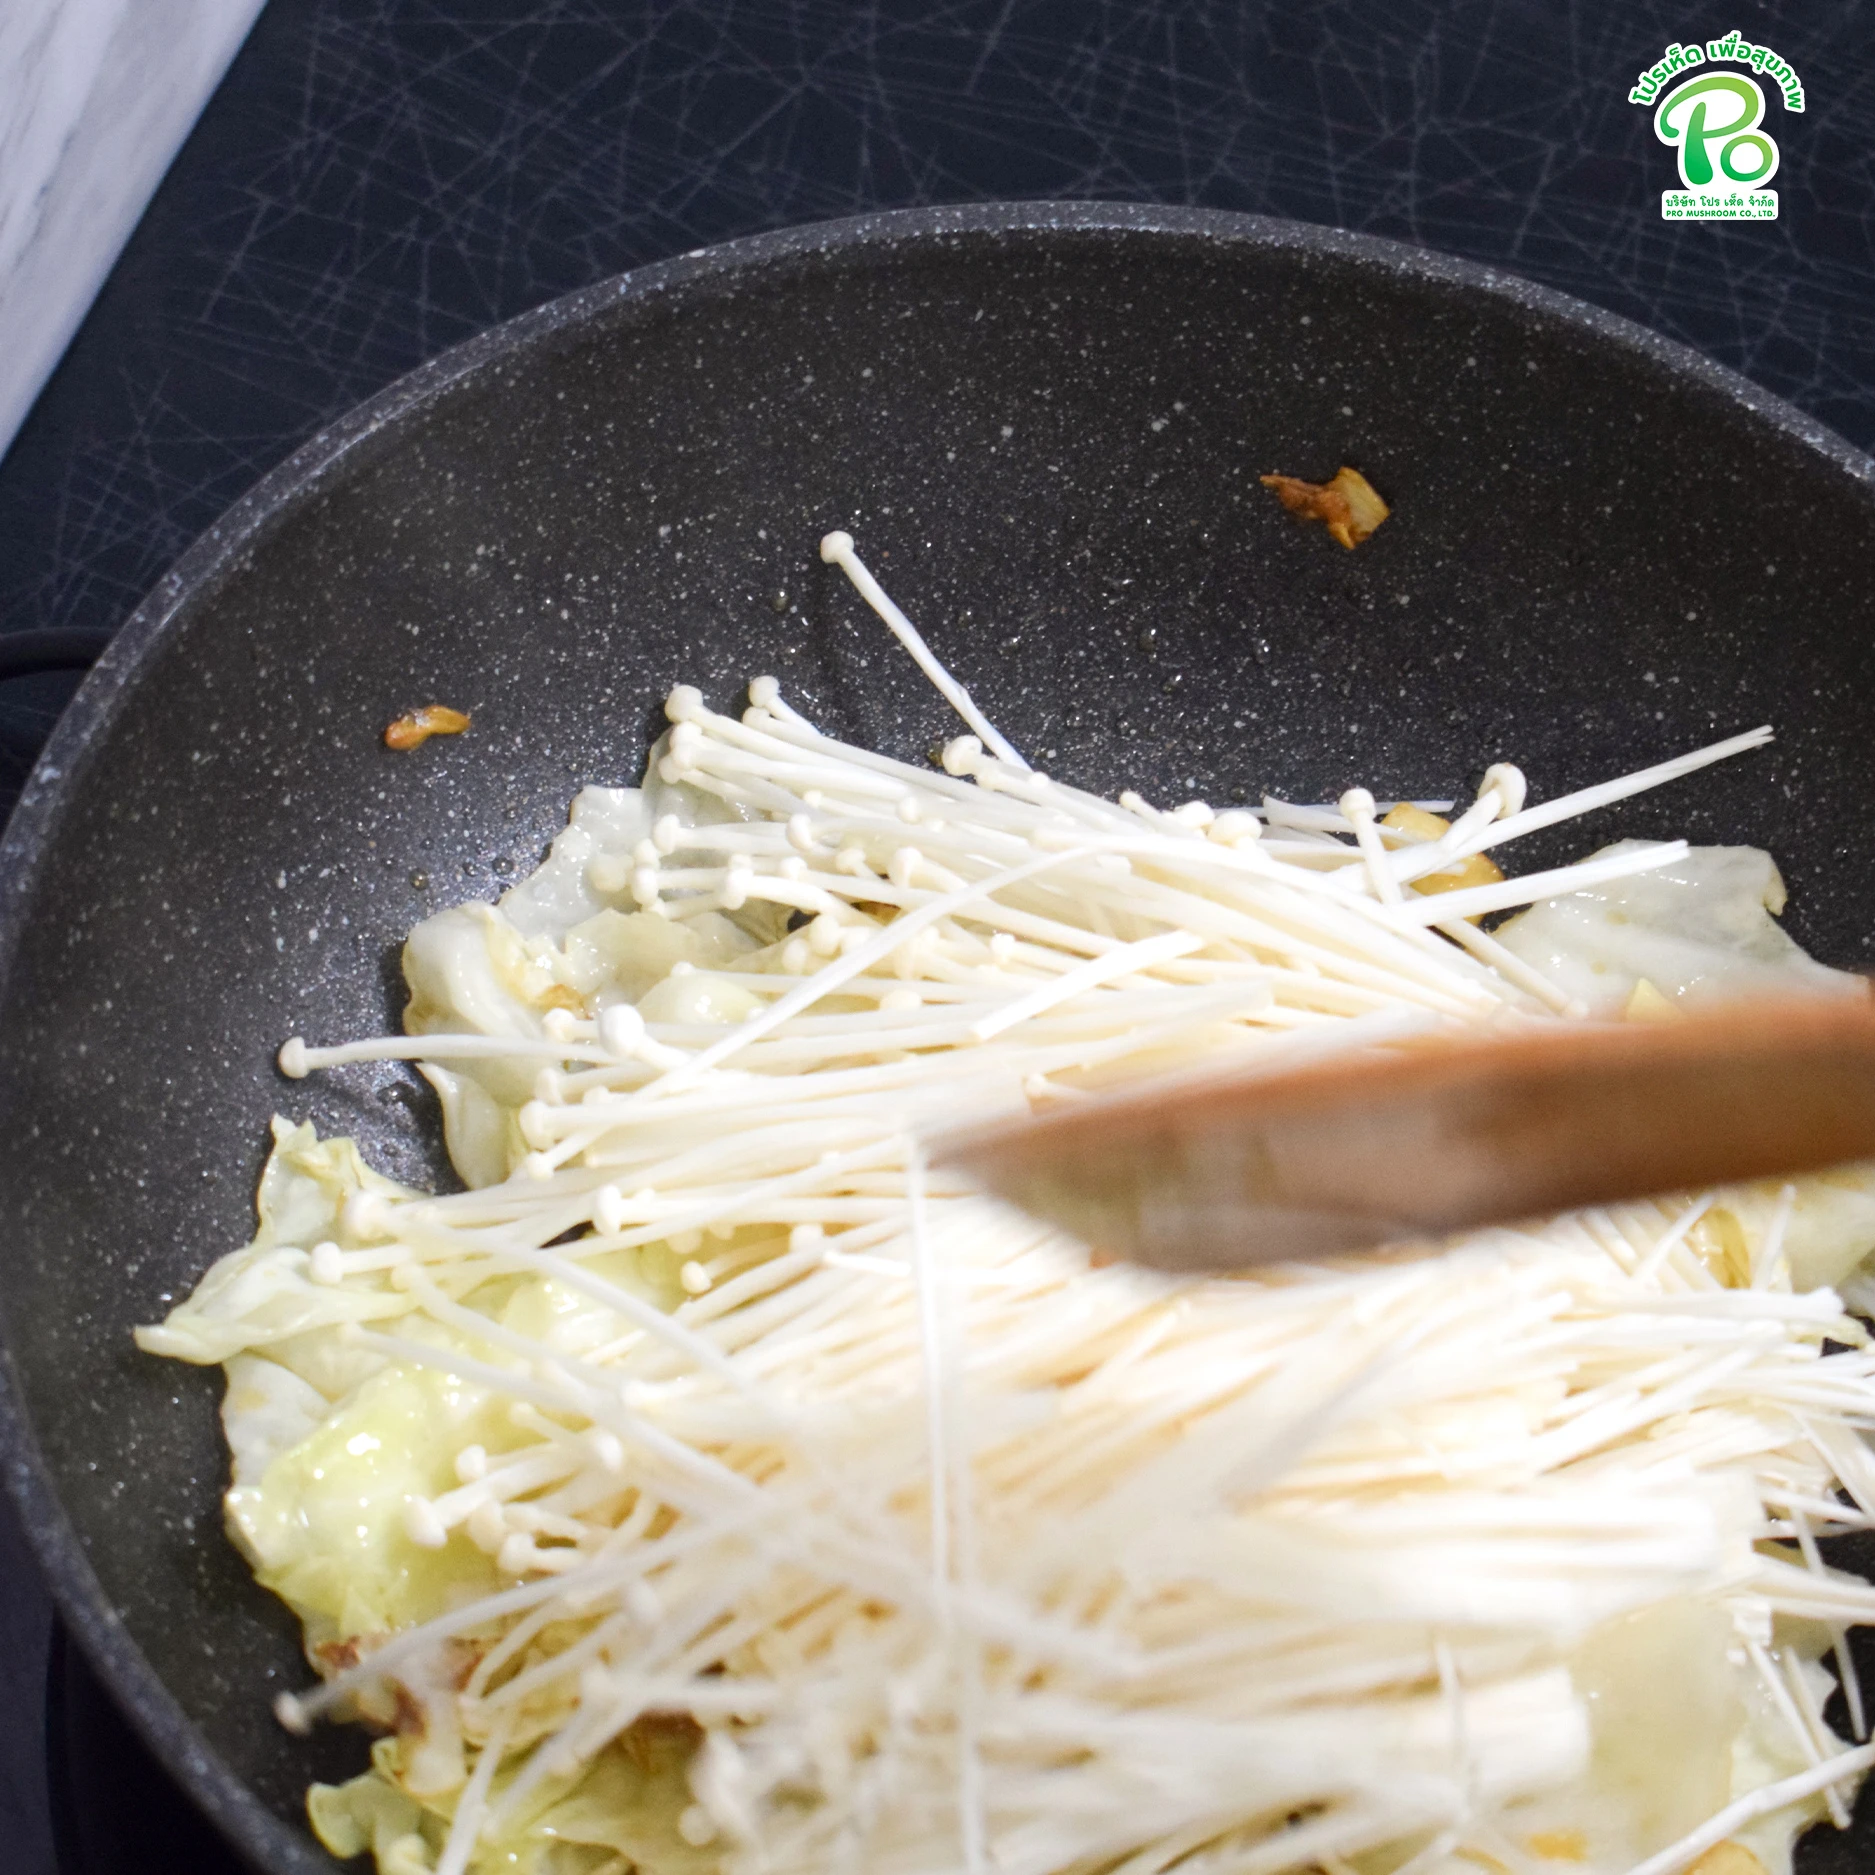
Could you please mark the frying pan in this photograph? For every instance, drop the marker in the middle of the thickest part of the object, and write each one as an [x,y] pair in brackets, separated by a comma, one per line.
[1044,426]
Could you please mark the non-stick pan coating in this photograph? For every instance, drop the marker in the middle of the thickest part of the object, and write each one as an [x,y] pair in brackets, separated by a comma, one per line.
[1044,426]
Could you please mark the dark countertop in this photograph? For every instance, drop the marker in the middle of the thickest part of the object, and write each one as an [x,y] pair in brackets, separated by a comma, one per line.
[376,179]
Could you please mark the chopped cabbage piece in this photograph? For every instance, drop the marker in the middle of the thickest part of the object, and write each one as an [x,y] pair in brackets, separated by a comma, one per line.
[266,1292]
[325,1526]
[1698,931]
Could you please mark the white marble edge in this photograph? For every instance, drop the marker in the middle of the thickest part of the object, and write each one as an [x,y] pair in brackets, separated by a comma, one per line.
[96,97]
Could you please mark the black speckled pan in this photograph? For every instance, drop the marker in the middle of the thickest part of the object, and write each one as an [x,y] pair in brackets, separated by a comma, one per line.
[1044,425]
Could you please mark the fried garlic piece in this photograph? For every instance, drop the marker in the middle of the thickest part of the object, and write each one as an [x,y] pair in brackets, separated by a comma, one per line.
[1727,1858]
[411,731]
[1560,1845]
[1646,1003]
[1347,506]
[1417,824]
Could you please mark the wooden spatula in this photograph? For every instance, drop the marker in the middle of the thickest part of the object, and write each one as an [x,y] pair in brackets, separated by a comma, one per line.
[1345,1154]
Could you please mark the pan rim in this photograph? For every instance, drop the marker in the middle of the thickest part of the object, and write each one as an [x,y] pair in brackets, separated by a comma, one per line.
[261,1835]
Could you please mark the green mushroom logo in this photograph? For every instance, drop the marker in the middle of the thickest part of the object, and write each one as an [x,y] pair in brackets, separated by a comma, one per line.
[1714,119]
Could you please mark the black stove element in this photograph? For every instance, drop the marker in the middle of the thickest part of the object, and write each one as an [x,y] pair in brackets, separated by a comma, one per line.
[114,1808]
[60,648]
[47,664]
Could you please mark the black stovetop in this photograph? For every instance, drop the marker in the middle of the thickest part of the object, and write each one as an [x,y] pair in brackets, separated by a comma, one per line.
[378,178]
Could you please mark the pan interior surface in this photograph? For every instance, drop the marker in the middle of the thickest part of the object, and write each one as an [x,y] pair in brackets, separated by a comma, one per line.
[1045,432]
